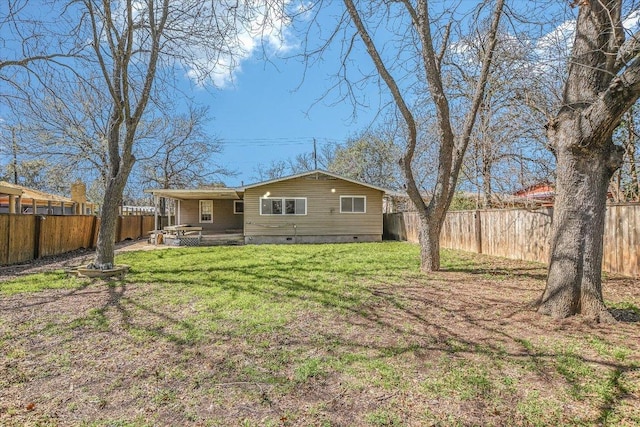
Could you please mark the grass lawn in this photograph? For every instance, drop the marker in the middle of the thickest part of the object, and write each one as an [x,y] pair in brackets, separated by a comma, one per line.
[320,335]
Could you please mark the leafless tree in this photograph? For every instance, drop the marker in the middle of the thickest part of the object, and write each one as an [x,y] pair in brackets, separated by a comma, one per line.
[625,185]
[603,82]
[134,48]
[274,170]
[428,41]
[304,162]
[507,150]
[33,50]
[180,153]
[370,157]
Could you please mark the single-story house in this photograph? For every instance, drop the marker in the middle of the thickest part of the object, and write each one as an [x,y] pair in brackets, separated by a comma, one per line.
[310,207]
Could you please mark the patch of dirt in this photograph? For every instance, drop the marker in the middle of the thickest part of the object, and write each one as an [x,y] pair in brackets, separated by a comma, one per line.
[68,260]
[459,347]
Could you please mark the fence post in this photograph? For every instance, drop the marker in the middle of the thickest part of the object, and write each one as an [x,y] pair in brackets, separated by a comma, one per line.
[119,229]
[478,232]
[94,225]
[5,251]
[36,236]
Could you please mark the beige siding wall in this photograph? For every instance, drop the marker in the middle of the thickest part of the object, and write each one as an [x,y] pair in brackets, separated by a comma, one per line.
[323,216]
[223,217]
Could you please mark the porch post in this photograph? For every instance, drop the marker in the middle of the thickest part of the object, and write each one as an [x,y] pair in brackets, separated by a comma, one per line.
[155,212]
[12,203]
[178,219]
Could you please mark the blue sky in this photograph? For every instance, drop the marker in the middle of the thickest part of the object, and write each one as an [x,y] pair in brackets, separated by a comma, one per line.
[266,111]
[268,115]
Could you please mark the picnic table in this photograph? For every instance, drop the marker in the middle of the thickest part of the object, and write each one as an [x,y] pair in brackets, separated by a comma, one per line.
[181,230]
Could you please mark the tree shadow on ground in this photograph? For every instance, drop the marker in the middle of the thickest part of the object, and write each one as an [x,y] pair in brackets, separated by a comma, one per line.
[627,315]
[534,273]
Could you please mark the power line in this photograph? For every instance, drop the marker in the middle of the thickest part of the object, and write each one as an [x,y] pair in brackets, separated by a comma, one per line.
[264,142]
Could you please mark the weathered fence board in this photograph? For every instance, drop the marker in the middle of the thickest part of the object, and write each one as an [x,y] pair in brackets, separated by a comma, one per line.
[518,234]
[622,240]
[60,234]
[26,237]
[17,238]
[459,229]
[524,234]
[128,227]
[148,224]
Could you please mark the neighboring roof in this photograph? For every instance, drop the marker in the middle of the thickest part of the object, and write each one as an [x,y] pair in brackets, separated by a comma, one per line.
[317,172]
[29,193]
[544,188]
[200,193]
[6,188]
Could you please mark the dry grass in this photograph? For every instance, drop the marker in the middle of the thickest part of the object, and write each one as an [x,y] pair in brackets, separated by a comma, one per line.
[312,335]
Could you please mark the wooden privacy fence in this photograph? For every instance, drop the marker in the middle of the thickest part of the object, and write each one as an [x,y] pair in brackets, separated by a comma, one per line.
[27,237]
[524,234]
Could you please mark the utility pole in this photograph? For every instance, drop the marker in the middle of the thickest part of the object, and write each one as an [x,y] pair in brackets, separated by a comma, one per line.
[315,155]
[14,147]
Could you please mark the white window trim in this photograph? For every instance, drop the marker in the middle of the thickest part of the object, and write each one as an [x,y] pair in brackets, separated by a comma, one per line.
[352,197]
[306,206]
[235,203]
[210,203]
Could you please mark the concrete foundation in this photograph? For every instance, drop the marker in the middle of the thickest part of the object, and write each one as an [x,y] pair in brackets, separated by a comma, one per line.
[350,238]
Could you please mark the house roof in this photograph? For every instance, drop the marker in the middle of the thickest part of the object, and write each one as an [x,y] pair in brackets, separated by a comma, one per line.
[237,193]
[317,172]
[29,193]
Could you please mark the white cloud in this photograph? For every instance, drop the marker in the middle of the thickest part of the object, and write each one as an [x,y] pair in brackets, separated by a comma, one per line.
[263,30]
[554,47]
[632,22]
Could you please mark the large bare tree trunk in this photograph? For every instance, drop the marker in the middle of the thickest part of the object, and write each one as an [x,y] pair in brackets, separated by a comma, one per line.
[429,239]
[105,255]
[603,83]
[574,282]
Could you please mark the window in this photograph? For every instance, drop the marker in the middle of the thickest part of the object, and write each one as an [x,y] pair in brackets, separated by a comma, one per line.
[206,210]
[238,206]
[283,206]
[353,204]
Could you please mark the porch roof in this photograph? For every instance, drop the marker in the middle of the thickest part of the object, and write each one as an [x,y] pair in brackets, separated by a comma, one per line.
[199,193]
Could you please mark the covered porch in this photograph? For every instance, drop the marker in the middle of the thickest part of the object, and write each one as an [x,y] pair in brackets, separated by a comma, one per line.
[198,217]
